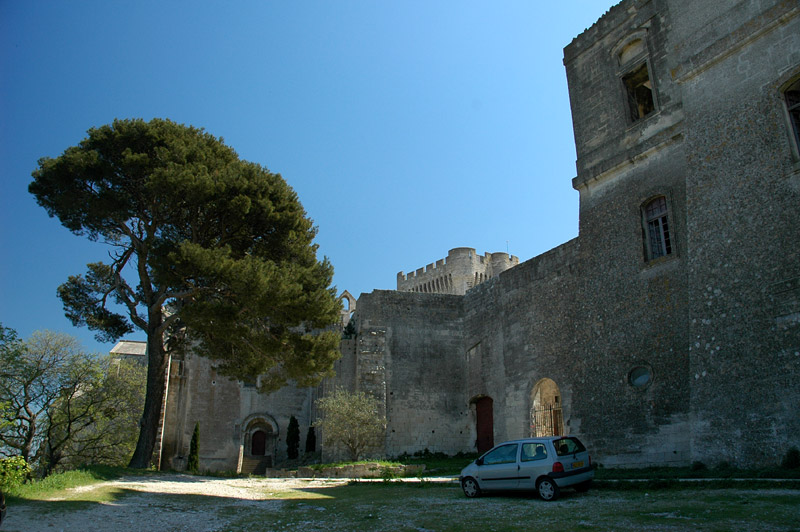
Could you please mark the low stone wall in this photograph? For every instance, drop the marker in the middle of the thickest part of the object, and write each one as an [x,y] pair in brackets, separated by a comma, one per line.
[368,470]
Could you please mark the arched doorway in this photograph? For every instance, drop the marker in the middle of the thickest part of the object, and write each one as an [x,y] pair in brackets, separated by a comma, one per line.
[258,444]
[547,417]
[484,423]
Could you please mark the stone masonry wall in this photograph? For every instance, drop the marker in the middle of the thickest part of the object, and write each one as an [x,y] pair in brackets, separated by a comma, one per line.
[743,194]
[412,343]
[197,394]
[632,310]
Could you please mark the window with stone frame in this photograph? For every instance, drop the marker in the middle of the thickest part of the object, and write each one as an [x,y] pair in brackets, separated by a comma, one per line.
[639,90]
[792,97]
[636,78]
[657,238]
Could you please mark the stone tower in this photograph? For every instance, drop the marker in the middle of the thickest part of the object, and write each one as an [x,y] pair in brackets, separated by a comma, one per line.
[461,270]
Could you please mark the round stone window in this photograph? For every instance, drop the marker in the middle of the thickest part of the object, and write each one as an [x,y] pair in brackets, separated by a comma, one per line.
[640,377]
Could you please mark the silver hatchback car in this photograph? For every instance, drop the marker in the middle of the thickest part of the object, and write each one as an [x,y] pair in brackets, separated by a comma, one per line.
[542,464]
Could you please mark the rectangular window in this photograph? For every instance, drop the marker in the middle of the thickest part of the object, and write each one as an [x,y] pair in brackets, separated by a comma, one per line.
[658,238]
[640,92]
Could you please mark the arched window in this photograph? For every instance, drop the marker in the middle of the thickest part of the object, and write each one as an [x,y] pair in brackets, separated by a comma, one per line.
[792,96]
[657,241]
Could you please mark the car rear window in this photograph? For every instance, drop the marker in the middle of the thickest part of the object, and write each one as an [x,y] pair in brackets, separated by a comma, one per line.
[566,446]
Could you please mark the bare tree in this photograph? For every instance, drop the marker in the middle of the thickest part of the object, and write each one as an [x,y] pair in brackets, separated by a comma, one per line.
[34,375]
[351,419]
[62,405]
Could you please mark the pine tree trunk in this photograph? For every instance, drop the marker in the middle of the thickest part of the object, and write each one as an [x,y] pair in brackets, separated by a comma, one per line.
[154,397]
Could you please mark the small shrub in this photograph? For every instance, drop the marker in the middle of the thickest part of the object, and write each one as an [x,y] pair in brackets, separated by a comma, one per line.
[193,463]
[792,459]
[14,472]
[349,330]
[388,473]
[698,466]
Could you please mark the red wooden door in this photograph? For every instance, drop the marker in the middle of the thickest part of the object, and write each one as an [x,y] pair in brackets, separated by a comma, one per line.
[485,424]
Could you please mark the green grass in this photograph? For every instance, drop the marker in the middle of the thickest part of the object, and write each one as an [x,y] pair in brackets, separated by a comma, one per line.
[59,482]
[384,463]
[439,464]
[695,472]
[366,507]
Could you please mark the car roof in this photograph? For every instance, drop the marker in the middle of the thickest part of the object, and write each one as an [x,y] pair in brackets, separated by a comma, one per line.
[537,439]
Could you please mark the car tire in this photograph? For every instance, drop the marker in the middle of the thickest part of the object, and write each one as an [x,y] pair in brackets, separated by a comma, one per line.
[547,489]
[470,487]
[583,487]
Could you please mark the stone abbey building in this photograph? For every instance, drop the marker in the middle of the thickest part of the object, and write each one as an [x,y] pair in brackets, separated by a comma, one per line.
[667,332]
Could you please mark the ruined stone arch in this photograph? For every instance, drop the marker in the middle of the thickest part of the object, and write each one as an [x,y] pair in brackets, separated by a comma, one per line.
[632,47]
[348,307]
[547,414]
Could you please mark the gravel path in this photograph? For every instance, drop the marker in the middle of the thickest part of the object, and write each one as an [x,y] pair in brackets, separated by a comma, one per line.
[140,511]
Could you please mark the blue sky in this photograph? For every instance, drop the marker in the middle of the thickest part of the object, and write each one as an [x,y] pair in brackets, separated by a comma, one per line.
[407,128]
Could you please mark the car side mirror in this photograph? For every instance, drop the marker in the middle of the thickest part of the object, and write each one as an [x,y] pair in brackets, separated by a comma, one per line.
[479,461]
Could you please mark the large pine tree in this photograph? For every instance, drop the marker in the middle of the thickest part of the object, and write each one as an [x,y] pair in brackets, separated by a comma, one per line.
[207,250]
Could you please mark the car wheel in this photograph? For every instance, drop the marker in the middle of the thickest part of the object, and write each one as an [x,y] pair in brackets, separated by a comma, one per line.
[470,487]
[583,486]
[547,489]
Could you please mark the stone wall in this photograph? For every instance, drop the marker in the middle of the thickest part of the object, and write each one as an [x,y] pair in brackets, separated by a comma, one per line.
[743,192]
[225,408]
[718,148]
[411,354]
[687,356]
[631,310]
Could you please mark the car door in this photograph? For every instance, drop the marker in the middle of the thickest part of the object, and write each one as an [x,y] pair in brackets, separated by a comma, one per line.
[534,461]
[498,469]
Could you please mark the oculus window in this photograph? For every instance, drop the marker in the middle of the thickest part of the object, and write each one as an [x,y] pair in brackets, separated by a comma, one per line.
[640,377]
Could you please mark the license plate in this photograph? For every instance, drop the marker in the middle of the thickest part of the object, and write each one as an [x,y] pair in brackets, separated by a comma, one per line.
[576,465]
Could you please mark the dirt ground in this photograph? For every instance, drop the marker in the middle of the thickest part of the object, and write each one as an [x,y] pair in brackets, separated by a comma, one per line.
[139,510]
[184,503]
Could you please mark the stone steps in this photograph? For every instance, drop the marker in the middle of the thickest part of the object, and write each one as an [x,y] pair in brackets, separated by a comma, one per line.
[256,465]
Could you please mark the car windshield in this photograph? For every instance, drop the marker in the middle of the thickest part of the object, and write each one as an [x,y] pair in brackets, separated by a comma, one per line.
[566,446]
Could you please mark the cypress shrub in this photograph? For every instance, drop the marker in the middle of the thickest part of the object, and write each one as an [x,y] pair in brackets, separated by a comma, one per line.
[193,465]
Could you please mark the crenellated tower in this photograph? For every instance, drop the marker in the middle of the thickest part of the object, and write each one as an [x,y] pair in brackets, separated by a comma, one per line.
[460,271]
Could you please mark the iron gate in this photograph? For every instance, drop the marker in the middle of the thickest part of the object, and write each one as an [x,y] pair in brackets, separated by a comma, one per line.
[547,420]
